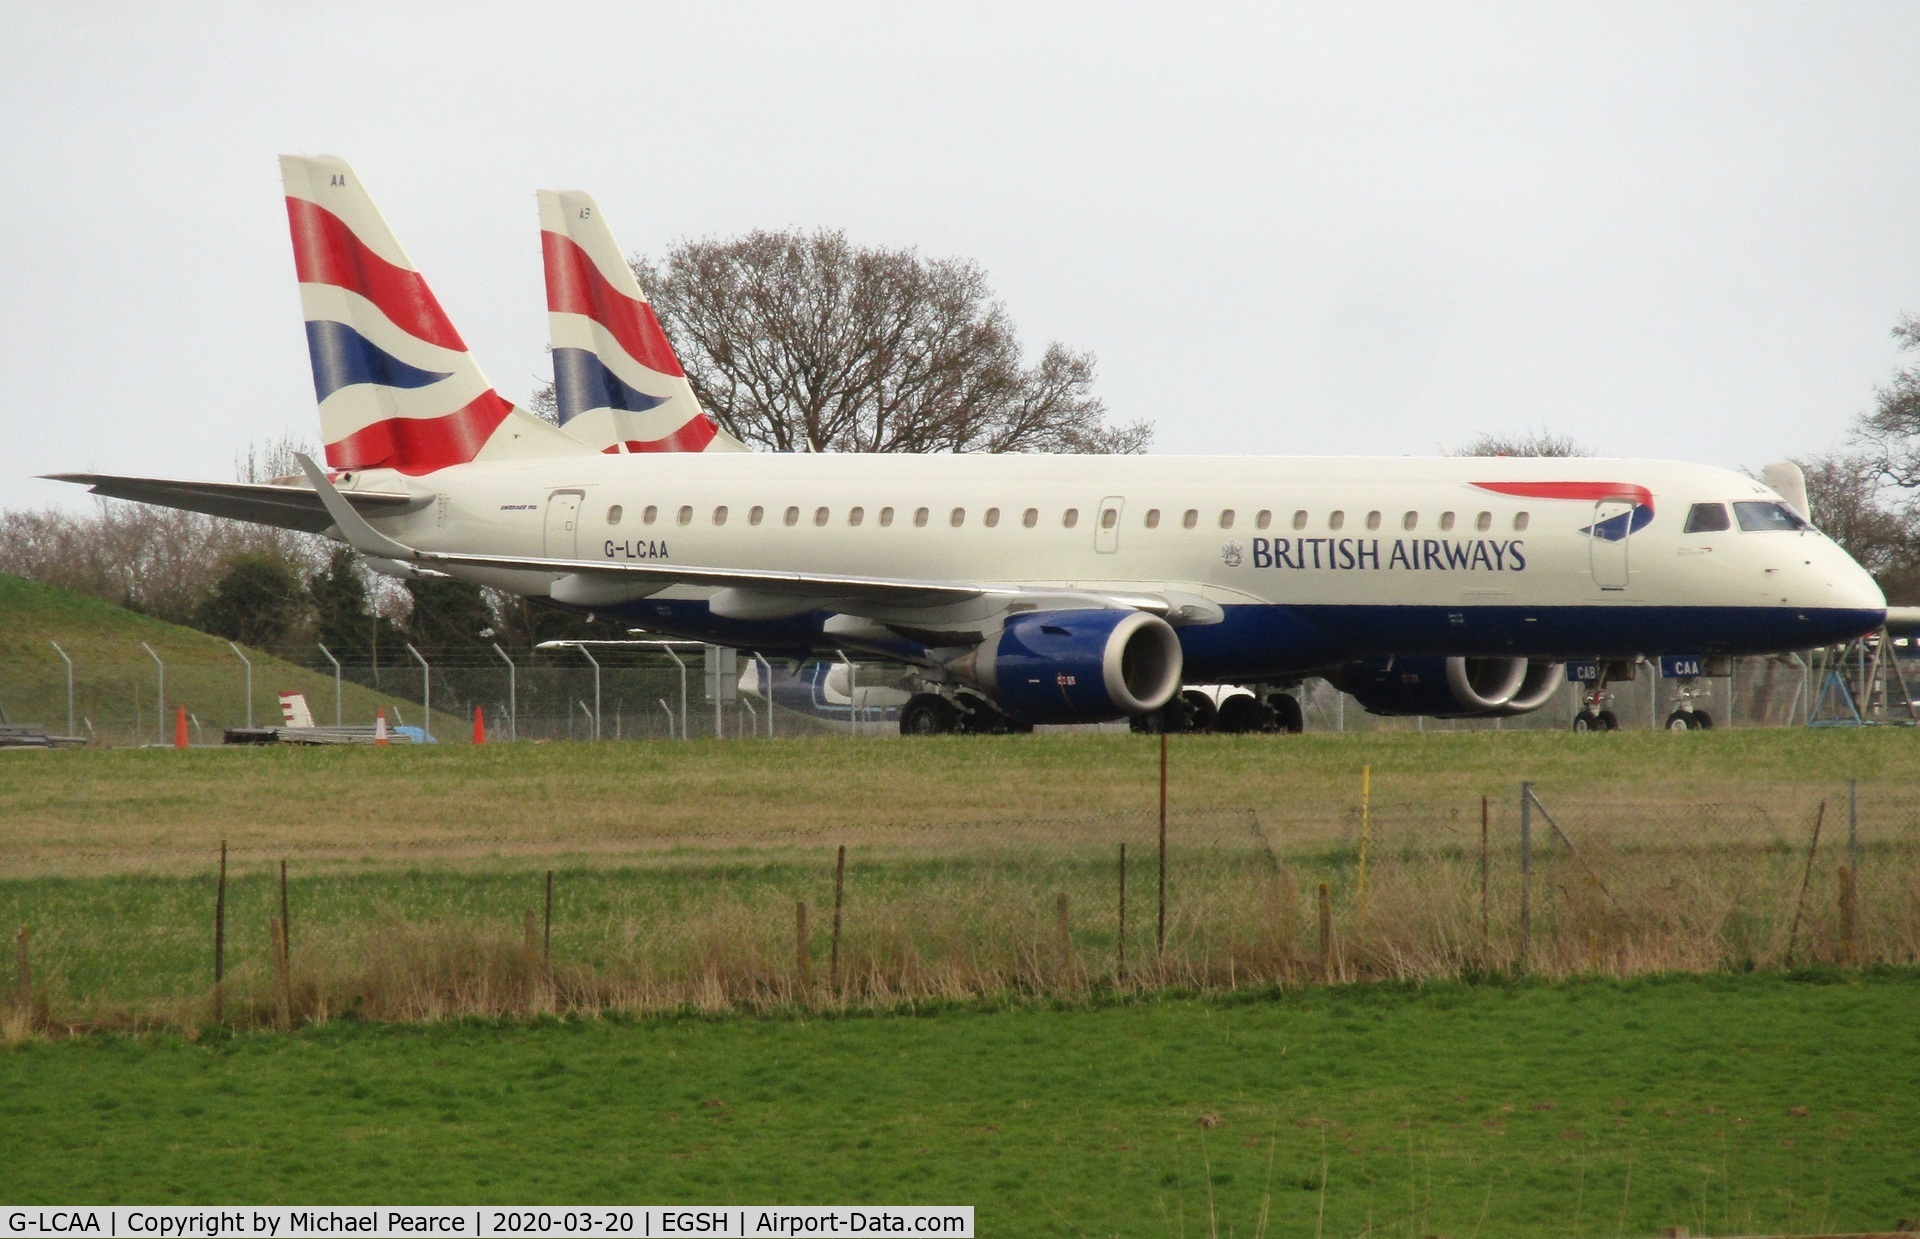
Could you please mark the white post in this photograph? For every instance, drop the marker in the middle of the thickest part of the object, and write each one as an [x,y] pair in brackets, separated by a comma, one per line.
[669,710]
[680,663]
[513,694]
[596,689]
[336,681]
[249,665]
[755,714]
[69,662]
[161,693]
[426,692]
[768,667]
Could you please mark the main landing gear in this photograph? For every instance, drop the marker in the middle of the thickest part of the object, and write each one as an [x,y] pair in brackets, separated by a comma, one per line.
[930,714]
[1237,714]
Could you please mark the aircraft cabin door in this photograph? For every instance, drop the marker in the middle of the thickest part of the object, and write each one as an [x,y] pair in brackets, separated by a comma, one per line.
[1609,542]
[563,524]
[1106,528]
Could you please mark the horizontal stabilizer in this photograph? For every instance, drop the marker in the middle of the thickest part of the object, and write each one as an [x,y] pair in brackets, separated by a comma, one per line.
[284,507]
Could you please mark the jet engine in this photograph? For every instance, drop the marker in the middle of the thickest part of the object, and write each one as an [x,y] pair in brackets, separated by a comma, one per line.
[1455,687]
[1076,666]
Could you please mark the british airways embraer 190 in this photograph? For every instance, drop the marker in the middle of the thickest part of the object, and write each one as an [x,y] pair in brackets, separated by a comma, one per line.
[1024,589]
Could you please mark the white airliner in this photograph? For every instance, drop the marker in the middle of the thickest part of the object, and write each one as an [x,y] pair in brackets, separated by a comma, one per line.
[1024,589]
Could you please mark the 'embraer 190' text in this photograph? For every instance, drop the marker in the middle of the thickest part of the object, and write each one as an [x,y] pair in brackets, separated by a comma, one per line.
[1408,554]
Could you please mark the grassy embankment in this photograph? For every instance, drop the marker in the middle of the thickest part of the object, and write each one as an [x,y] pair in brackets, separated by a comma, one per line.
[1733,1105]
[115,682]
[679,866]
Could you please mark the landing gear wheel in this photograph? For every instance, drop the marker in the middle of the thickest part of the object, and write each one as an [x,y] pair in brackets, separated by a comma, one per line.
[1681,720]
[1152,723]
[928,714]
[1607,720]
[1703,720]
[1242,713]
[1586,720]
[1287,716]
[1201,713]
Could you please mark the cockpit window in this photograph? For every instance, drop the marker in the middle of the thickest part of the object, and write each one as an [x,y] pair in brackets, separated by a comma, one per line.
[1763,514]
[1707,518]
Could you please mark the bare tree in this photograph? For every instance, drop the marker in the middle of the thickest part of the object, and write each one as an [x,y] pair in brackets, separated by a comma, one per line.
[1526,443]
[800,341]
[1891,432]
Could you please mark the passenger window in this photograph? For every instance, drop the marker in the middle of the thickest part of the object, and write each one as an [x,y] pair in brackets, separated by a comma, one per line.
[1336,519]
[1191,518]
[613,515]
[1519,522]
[1483,522]
[1264,519]
[886,517]
[820,516]
[1758,515]
[755,514]
[686,515]
[1109,517]
[1300,519]
[856,515]
[1373,520]
[1446,521]
[1226,518]
[720,515]
[1070,517]
[957,517]
[919,518]
[1030,517]
[1153,518]
[793,516]
[650,515]
[1707,518]
[1410,521]
[992,518]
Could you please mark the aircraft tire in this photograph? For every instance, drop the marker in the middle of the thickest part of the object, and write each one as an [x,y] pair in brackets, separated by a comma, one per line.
[1201,713]
[1703,720]
[1586,721]
[1681,720]
[1287,715]
[928,714]
[1243,713]
[1607,720]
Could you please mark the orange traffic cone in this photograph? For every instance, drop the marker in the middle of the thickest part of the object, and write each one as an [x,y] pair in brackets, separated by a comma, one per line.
[180,729]
[479,725]
[380,727]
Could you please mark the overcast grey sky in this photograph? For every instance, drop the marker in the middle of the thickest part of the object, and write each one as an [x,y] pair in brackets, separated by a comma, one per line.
[1666,229]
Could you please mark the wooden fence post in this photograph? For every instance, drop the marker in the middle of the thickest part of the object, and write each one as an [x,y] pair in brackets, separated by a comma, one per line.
[1806,879]
[1120,967]
[220,937]
[802,957]
[1326,935]
[839,891]
[1486,921]
[1526,874]
[286,921]
[1848,954]
[23,971]
[1160,934]
[1063,954]
[282,982]
[546,935]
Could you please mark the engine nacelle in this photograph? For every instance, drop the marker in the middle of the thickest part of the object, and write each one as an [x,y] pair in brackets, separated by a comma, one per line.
[1454,687]
[1076,666]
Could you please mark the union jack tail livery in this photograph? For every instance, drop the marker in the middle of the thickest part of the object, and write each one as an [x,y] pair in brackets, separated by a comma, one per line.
[617,383]
[396,385]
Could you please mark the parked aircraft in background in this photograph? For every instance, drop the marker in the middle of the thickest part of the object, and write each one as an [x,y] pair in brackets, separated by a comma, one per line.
[1022,589]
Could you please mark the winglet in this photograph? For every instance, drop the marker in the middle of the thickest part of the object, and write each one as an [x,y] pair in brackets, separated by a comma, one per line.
[353,527]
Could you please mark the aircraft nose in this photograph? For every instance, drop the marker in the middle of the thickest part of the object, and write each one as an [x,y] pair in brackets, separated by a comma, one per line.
[1843,585]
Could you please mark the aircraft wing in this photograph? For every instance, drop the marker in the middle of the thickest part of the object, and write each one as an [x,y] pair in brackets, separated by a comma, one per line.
[883,591]
[287,507]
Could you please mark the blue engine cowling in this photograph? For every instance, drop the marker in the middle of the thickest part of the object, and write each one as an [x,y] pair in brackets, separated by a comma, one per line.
[1443,687]
[1077,666]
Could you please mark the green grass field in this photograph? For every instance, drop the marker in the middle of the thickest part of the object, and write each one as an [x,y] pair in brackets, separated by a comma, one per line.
[1733,1105]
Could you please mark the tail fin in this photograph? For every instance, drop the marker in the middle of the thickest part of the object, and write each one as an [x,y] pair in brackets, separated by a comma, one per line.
[617,383]
[396,385]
